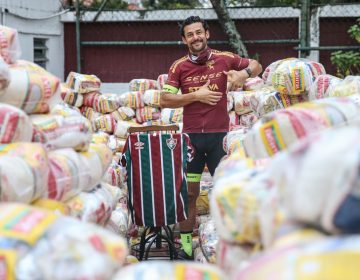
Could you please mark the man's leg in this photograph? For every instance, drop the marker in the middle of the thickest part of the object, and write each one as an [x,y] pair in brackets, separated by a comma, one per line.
[187,226]
[194,172]
[215,150]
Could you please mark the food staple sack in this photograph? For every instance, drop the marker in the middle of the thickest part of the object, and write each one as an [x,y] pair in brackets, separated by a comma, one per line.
[38,244]
[31,88]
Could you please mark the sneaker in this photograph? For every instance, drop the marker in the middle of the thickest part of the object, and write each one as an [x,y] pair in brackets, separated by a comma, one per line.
[182,255]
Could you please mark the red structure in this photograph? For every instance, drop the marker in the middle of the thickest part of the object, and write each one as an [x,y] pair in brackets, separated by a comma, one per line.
[123,63]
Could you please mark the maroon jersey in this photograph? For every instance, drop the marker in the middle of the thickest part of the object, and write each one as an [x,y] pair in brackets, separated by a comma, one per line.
[189,76]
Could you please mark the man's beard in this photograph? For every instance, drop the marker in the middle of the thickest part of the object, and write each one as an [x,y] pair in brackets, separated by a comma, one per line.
[198,50]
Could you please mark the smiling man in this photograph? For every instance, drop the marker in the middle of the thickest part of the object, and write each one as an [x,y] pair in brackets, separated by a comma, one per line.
[204,75]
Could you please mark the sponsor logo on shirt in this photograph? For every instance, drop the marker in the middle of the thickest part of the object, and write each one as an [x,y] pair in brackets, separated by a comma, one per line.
[212,87]
[139,145]
[204,78]
[171,143]
[210,64]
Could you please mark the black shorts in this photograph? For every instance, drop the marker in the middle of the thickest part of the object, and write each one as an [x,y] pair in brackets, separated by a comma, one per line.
[209,150]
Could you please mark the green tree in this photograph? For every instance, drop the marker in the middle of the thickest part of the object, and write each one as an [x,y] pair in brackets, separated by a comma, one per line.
[95,4]
[111,4]
[228,26]
[294,3]
[170,4]
[348,62]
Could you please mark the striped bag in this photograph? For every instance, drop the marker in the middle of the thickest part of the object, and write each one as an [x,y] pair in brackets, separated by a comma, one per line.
[156,177]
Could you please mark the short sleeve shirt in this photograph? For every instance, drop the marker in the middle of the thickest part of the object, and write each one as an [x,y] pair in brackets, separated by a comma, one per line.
[189,76]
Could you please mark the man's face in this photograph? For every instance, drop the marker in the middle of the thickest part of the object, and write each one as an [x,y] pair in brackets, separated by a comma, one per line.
[195,37]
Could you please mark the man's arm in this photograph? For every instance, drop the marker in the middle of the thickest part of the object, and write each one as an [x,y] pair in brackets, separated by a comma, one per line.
[237,78]
[203,94]
[255,68]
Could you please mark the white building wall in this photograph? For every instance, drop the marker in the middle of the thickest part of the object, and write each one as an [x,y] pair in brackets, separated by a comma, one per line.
[37,19]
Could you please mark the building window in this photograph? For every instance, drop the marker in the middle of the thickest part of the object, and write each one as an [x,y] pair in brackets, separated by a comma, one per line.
[40,51]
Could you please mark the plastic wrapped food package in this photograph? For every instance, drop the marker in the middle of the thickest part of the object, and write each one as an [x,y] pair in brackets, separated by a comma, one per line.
[94,206]
[235,206]
[4,74]
[253,84]
[242,101]
[349,86]
[70,96]
[30,246]
[65,110]
[122,127]
[294,77]
[31,88]
[102,103]
[97,160]
[162,270]
[269,70]
[234,139]
[199,256]
[119,221]
[133,99]
[123,114]
[57,207]
[202,203]
[100,137]
[262,103]
[57,132]
[10,48]
[71,172]
[289,100]
[152,97]
[142,85]
[67,175]
[231,257]
[208,240]
[277,130]
[230,101]
[322,86]
[82,83]
[329,258]
[326,198]
[116,144]
[161,81]
[15,125]
[233,120]
[115,174]
[90,113]
[105,123]
[147,113]
[247,120]
[24,171]
[170,116]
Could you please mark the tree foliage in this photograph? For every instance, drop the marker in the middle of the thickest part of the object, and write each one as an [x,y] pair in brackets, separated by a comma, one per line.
[295,3]
[348,62]
[111,4]
[170,4]
[95,4]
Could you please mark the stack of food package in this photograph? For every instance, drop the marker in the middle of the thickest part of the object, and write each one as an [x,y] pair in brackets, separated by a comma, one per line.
[286,180]
[314,187]
[47,160]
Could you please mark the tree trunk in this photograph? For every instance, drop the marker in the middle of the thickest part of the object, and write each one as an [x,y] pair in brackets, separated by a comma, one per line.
[229,27]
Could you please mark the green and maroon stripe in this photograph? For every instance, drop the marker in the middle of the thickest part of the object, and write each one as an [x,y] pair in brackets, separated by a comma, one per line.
[170,200]
[136,179]
[158,193]
[178,177]
[146,180]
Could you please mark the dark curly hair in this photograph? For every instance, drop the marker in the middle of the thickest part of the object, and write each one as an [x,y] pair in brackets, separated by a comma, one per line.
[191,20]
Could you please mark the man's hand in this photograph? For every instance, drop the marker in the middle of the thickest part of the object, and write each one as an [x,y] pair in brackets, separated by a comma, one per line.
[207,96]
[235,79]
